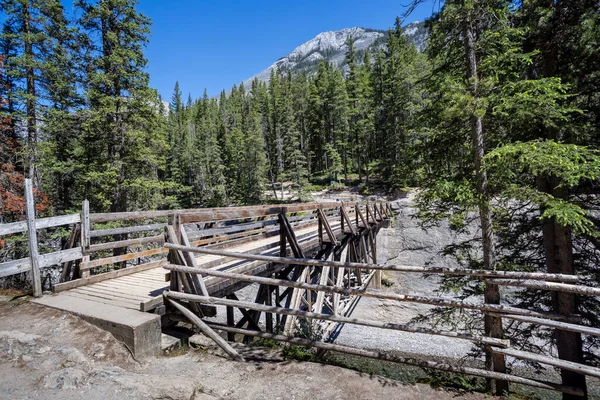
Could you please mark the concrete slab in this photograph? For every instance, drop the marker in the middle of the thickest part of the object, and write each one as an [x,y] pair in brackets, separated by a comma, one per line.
[139,331]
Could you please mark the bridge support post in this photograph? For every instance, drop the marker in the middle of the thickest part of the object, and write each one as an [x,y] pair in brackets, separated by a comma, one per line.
[36,279]
[373,245]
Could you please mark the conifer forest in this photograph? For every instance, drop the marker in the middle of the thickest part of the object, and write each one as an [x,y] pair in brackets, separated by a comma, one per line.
[496,120]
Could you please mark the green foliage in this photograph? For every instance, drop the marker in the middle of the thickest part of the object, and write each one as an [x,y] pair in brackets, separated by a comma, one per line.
[531,97]
[298,353]
[438,378]
[570,164]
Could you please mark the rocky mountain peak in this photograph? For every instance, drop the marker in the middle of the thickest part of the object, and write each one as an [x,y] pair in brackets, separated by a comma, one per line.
[331,46]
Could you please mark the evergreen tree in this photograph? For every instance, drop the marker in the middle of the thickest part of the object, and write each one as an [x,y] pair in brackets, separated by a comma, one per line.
[399,101]
[210,181]
[365,130]
[295,161]
[32,38]
[360,109]
[123,149]
[530,181]
[62,114]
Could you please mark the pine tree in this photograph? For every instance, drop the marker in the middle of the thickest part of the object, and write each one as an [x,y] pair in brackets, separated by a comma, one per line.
[176,138]
[365,130]
[360,109]
[62,118]
[209,183]
[28,45]
[530,173]
[294,159]
[399,100]
[123,151]
[354,102]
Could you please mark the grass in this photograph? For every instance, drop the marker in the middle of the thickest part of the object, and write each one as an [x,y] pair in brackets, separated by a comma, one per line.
[299,353]
[387,279]
[11,292]
[180,350]
[437,378]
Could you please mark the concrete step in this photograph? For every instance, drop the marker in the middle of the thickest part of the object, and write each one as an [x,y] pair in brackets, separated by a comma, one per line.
[139,331]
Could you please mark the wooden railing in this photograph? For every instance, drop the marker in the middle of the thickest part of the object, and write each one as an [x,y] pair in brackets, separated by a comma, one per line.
[89,245]
[499,346]
[35,261]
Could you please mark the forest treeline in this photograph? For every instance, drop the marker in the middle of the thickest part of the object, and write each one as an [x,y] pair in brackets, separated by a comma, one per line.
[82,121]
[497,120]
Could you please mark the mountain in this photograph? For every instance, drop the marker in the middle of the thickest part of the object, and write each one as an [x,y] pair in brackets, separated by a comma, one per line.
[331,46]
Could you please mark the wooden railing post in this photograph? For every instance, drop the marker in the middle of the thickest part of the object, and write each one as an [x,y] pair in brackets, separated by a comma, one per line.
[85,236]
[493,327]
[36,279]
[85,224]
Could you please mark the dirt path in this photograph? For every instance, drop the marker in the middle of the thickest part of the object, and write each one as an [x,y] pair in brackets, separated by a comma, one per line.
[46,354]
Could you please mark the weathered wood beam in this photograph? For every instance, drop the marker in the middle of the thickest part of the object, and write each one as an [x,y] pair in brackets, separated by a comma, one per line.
[211,214]
[126,229]
[40,223]
[290,235]
[65,274]
[552,286]
[87,265]
[36,279]
[85,225]
[339,264]
[336,318]
[246,317]
[370,216]
[198,282]
[160,239]
[61,287]
[388,356]
[206,330]
[346,217]
[555,362]
[434,301]
[588,330]
[184,279]
[325,224]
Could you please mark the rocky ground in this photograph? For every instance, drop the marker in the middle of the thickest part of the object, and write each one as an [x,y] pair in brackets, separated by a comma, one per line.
[46,354]
[405,243]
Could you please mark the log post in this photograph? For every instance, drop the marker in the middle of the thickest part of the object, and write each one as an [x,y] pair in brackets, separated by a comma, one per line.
[230,322]
[378,274]
[85,236]
[85,225]
[36,279]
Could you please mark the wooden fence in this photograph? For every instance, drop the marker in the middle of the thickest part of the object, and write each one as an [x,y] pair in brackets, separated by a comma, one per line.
[35,261]
[499,347]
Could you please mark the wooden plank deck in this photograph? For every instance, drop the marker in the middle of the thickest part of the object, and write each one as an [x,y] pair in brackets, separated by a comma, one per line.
[143,290]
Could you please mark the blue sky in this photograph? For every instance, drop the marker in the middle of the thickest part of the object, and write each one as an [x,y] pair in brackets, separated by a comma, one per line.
[213,44]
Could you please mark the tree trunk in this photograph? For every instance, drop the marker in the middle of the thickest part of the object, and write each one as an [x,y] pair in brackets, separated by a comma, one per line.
[558,248]
[492,325]
[557,240]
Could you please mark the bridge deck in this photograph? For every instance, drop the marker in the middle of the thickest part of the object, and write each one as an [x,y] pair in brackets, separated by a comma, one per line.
[143,290]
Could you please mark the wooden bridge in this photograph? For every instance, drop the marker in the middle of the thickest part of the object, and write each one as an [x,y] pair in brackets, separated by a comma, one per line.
[114,262]
[135,273]
[322,230]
